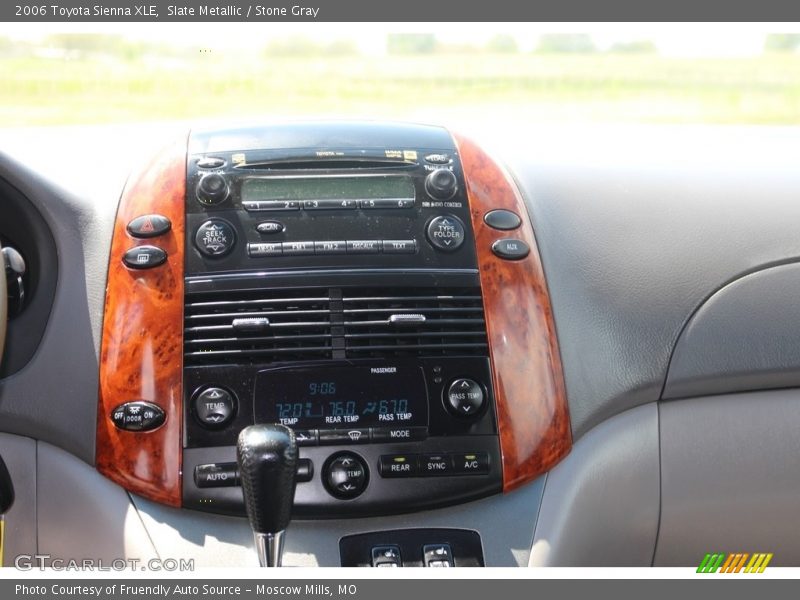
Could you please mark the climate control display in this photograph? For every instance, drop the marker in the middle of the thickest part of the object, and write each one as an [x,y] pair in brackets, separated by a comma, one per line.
[331,398]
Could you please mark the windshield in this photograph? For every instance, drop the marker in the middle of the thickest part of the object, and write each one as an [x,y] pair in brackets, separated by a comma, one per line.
[59,75]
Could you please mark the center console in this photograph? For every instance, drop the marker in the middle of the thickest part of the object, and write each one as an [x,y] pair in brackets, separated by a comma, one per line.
[374,287]
[335,289]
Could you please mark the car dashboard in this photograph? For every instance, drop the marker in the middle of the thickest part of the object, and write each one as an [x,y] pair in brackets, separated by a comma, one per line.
[561,347]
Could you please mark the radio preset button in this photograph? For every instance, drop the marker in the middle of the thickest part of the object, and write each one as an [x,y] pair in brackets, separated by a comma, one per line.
[144,257]
[269,227]
[330,247]
[471,463]
[399,465]
[464,397]
[297,248]
[270,205]
[435,464]
[334,437]
[264,249]
[214,407]
[345,475]
[376,203]
[330,204]
[399,434]
[399,246]
[215,238]
[446,233]
[363,247]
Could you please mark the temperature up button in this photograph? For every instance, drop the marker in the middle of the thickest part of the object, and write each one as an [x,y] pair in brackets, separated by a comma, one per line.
[464,397]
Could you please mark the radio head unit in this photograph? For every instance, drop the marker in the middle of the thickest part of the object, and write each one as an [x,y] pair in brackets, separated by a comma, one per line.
[388,198]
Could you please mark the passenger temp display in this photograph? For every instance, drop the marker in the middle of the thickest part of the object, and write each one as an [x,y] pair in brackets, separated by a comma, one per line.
[312,398]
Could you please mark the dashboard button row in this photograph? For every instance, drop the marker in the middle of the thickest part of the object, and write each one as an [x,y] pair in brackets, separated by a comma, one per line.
[326,204]
[433,465]
[335,437]
[227,474]
[304,248]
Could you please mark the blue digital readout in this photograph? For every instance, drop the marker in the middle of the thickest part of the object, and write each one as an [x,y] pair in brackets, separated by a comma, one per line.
[342,397]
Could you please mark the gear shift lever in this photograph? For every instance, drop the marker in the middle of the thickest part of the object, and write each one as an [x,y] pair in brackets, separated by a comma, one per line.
[267,457]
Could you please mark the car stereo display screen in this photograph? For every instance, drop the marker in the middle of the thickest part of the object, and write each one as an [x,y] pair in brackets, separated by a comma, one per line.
[328,188]
[327,398]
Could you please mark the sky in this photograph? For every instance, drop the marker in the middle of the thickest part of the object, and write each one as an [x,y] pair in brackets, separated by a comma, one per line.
[672,39]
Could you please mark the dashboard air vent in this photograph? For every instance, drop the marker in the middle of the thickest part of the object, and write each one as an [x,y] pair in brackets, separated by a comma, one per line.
[278,325]
[382,323]
[256,326]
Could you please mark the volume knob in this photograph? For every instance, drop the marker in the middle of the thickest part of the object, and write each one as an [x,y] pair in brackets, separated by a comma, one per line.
[441,184]
[212,189]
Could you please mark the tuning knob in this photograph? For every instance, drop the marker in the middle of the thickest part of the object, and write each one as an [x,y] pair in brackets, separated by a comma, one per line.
[441,184]
[212,189]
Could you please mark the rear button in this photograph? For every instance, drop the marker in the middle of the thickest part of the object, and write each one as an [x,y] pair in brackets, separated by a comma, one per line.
[399,465]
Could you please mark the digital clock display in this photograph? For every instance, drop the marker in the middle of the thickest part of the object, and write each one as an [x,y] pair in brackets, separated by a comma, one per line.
[329,398]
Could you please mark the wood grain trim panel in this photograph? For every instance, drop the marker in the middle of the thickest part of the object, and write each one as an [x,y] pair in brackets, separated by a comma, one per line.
[142,347]
[532,412]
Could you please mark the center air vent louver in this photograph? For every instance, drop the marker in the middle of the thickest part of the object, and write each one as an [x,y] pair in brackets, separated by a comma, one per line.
[278,325]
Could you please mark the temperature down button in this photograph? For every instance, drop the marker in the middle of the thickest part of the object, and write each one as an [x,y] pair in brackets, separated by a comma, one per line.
[465,397]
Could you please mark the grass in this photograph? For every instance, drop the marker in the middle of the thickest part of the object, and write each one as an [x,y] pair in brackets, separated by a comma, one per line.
[605,88]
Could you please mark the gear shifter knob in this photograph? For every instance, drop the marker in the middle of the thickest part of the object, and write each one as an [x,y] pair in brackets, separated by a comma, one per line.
[267,457]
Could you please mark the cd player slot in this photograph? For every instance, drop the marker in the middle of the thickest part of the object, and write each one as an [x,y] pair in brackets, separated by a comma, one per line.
[315,164]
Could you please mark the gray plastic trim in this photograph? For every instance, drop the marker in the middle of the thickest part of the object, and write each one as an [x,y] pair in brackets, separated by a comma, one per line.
[505,524]
[745,337]
[731,477]
[81,514]
[19,454]
[54,397]
[601,504]
[636,227]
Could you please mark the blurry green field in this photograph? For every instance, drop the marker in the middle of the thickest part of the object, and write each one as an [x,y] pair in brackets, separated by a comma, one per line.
[596,87]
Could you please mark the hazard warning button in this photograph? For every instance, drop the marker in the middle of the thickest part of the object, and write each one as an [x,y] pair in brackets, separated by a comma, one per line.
[149,226]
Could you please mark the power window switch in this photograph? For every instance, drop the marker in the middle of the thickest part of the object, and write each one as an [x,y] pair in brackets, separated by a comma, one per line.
[386,556]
